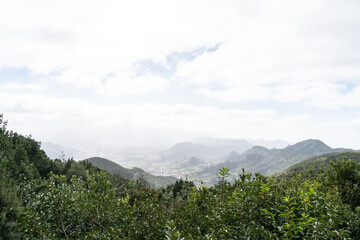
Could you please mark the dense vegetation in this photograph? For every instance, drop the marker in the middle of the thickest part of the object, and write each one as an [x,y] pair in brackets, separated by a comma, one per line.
[42,198]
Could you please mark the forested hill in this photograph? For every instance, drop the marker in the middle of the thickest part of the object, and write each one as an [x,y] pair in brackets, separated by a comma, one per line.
[320,162]
[110,166]
[133,174]
[268,161]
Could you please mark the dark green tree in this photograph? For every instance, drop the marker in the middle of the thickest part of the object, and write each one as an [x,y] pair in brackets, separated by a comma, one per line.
[345,175]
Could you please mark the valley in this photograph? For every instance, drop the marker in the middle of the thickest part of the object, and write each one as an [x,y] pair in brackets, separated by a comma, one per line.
[201,159]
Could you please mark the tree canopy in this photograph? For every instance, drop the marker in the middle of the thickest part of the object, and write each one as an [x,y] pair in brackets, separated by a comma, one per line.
[41,198]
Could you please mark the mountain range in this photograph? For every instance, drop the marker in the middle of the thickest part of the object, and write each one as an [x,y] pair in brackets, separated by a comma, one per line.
[210,149]
[201,160]
[267,161]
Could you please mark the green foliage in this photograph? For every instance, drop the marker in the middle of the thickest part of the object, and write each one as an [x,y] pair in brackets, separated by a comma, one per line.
[6,149]
[171,232]
[345,175]
[253,207]
[9,203]
[181,188]
[45,199]
[74,209]
[9,200]
[222,175]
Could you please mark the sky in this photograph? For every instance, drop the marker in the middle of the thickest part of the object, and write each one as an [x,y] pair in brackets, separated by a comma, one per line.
[121,73]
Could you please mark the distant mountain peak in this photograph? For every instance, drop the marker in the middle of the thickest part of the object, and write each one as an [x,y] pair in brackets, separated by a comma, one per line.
[314,141]
[207,149]
[260,148]
[309,147]
[270,144]
[257,150]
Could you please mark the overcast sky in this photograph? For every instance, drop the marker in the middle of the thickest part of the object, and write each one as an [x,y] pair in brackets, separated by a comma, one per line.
[108,72]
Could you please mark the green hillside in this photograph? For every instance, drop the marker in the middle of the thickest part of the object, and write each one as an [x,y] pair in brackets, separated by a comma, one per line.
[134,173]
[322,161]
[110,166]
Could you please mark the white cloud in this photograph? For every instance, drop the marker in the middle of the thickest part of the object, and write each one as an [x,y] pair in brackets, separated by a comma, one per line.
[239,94]
[40,115]
[320,94]
[90,125]
[67,34]
[299,53]
[263,42]
[113,84]
[296,118]
[292,52]
[16,86]
[143,85]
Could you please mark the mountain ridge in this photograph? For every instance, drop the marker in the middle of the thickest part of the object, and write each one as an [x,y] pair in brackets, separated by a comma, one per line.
[206,149]
[269,161]
[133,174]
[320,162]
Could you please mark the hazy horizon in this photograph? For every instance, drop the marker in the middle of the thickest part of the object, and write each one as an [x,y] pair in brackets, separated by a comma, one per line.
[95,74]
